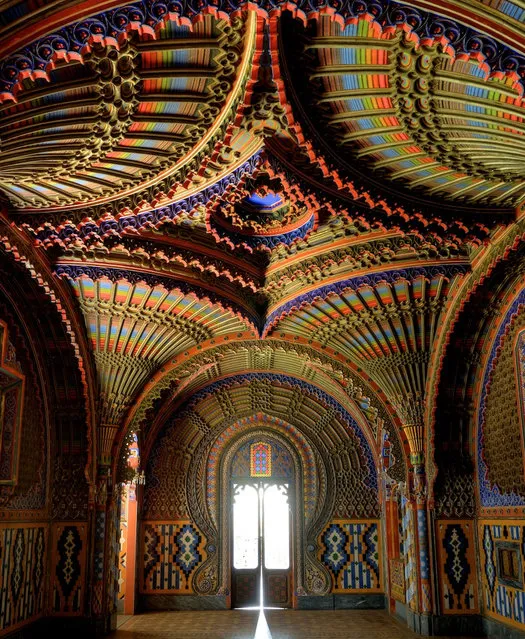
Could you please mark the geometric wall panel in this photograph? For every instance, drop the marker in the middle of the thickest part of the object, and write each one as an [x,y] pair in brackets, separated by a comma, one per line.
[457,567]
[172,550]
[502,601]
[351,551]
[397,580]
[23,559]
[69,568]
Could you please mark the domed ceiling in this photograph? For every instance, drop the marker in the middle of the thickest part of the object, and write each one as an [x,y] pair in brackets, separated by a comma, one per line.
[270,189]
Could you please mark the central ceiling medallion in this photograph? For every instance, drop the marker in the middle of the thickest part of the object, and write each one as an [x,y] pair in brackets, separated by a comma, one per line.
[262,213]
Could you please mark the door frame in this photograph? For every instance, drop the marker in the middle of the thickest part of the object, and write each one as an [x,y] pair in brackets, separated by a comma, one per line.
[263,483]
[297,518]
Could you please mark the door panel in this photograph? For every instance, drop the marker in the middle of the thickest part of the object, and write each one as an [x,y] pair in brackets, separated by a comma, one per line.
[246,574]
[276,546]
[276,586]
[246,588]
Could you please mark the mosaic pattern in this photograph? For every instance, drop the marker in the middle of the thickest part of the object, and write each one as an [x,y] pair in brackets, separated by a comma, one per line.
[457,567]
[69,557]
[491,495]
[172,552]
[335,556]
[23,584]
[260,460]
[277,460]
[296,438]
[351,552]
[187,556]
[502,602]
[397,580]
[408,552]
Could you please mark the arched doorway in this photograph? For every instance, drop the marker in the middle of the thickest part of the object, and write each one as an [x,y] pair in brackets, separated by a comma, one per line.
[262,495]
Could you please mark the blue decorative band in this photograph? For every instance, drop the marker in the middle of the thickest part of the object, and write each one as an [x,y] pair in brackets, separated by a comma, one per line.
[95,232]
[448,271]
[73,271]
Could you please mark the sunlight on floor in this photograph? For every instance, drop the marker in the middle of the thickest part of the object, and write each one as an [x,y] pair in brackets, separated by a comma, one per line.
[262,631]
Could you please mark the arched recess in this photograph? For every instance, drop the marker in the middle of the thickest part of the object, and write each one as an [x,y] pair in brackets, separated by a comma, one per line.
[219,358]
[499,418]
[261,427]
[478,447]
[44,509]
[185,466]
[484,306]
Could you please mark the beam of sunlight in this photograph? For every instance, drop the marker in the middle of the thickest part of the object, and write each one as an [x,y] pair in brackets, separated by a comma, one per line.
[262,631]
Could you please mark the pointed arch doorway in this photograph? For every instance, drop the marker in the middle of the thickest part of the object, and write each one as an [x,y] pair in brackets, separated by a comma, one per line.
[262,494]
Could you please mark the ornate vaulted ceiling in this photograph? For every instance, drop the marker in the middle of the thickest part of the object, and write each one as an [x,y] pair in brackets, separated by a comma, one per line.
[111,104]
[277,195]
[418,99]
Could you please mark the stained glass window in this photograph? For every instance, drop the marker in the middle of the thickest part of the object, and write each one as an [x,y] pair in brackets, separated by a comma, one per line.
[261,460]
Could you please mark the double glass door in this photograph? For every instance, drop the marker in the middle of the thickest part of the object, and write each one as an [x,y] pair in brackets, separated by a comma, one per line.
[261,544]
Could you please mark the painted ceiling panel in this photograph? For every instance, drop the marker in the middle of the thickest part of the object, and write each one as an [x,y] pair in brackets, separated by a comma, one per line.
[259,213]
[160,95]
[415,80]
[134,328]
[392,319]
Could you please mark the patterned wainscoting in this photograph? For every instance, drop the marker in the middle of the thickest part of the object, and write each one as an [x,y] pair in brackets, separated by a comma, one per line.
[409,552]
[502,558]
[351,550]
[397,580]
[122,551]
[23,558]
[172,552]
[68,568]
[457,567]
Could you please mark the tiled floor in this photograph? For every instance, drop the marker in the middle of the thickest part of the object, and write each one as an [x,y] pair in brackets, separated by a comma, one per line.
[274,624]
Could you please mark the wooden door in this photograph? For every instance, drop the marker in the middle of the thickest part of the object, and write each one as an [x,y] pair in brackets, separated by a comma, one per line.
[261,545]
[246,572]
[276,545]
